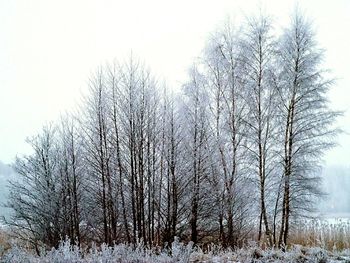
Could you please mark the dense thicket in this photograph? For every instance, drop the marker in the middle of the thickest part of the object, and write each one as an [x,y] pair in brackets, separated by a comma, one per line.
[234,157]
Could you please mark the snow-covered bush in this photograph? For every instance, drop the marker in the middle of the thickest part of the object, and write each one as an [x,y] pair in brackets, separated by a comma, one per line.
[178,252]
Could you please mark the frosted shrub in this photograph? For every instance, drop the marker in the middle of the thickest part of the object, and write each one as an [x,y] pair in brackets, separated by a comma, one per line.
[16,254]
[66,252]
[179,252]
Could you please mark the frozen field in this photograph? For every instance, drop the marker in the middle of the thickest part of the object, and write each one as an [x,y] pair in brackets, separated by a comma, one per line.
[179,253]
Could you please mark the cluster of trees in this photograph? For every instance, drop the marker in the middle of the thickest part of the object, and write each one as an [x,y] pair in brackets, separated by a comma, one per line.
[235,156]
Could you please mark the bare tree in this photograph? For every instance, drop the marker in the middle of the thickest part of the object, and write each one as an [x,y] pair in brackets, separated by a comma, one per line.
[306,119]
[36,196]
[256,56]
[71,171]
[139,114]
[197,151]
[114,92]
[226,84]
[97,132]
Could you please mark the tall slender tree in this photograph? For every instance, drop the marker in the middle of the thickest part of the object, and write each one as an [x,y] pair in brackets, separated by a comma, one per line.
[306,119]
[257,55]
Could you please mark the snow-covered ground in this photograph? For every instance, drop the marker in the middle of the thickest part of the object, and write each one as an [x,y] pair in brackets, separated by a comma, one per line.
[179,253]
[330,231]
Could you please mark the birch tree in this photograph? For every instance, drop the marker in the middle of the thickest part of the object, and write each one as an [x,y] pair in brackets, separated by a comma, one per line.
[226,84]
[197,147]
[256,56]
[307,120]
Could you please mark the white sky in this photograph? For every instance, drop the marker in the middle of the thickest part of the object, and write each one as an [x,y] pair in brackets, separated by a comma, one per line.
[48,50]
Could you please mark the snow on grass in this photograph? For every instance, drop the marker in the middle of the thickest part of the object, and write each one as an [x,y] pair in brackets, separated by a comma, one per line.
[319,241]
[179,252]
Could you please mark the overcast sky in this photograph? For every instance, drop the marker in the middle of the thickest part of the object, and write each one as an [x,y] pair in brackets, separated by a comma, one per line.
[48,50]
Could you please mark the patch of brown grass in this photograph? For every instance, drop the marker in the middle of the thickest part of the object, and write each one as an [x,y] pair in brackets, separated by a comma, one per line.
[330,236]
[4,242]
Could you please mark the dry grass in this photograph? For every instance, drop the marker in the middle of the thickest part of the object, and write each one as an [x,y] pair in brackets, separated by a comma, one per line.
[4,242]
[330,236]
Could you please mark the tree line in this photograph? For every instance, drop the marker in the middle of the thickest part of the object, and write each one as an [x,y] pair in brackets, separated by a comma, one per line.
[234,156]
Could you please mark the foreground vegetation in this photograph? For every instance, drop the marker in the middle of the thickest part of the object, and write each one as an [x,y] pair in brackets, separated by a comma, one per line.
[178,252]
[313,241]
